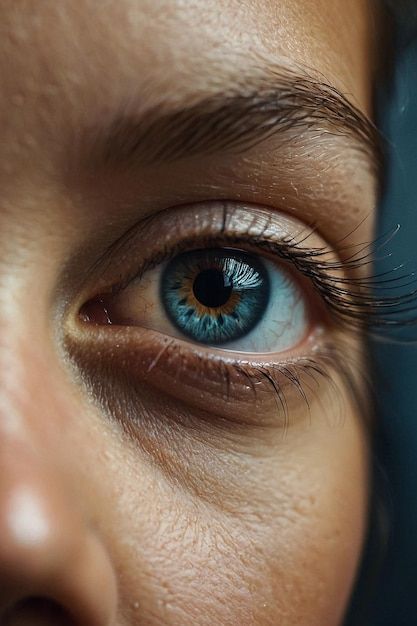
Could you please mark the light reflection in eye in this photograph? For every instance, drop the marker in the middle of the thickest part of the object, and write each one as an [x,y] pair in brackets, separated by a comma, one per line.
[219,297]
[215,296]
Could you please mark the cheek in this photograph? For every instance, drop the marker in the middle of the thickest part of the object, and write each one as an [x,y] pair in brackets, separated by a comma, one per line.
[281,547]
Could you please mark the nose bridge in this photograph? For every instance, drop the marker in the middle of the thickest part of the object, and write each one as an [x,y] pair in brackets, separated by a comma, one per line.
[30,381]
[26,354]
[48,549]
[17,375]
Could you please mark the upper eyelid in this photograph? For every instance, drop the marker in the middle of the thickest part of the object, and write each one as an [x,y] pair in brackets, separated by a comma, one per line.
[303,187]
[308,261]
[347,290]
[124,246]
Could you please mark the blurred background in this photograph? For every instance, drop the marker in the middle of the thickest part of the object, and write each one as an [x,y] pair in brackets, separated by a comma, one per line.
[392,600]
[396,363]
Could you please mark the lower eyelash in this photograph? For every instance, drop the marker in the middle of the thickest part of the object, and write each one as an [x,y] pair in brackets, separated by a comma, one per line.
[241,394]
[305,376]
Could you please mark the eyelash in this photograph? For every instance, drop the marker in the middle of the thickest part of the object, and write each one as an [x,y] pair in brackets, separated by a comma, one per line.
[350,300]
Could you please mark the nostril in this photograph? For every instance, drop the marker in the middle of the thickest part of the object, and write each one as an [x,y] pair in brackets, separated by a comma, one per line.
[36,612]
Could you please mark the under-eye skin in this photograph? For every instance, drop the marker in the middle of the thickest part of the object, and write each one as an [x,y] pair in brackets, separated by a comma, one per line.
[230,308]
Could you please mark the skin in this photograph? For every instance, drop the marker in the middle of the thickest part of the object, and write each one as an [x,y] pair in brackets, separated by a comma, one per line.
[180,519]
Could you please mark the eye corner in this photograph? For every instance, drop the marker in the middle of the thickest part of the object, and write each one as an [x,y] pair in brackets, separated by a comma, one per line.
[95,311]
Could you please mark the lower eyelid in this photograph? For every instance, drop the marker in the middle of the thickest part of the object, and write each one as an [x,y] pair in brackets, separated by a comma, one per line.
[229,385]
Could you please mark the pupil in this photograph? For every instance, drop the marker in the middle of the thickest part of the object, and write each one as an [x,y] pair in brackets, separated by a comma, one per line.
[215,296]
[212,288]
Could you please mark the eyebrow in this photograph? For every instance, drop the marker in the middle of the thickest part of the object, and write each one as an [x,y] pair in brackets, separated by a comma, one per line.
[282,103]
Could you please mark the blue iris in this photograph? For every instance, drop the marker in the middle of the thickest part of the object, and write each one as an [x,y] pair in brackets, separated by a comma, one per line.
[215,296]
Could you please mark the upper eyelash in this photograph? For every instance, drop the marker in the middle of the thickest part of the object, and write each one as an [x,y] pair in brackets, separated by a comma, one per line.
[355,301]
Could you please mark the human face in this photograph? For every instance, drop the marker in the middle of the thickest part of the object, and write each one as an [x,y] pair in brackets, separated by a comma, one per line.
[147,476]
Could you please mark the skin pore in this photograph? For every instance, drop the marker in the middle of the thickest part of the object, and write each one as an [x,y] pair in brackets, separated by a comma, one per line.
[145,479]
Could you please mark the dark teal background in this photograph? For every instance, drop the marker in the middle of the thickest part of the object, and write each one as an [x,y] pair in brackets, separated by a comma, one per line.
[387,595]
[395,603]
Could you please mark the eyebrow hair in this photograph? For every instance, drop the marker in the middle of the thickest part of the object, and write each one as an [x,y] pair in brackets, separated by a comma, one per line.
[282,103]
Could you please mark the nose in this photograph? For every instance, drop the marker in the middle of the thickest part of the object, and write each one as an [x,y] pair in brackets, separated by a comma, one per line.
[54,568]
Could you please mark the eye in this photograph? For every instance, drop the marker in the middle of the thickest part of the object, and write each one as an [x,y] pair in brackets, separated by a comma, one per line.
[221,297]
[238,311]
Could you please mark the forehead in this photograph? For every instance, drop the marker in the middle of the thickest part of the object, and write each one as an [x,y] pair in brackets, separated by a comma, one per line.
[84,58]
